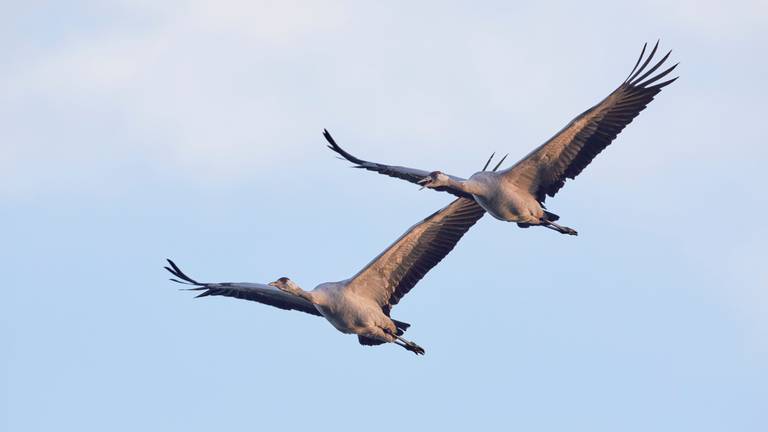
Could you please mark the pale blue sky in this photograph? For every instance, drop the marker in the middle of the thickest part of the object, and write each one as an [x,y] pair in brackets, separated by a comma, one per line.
[131,132]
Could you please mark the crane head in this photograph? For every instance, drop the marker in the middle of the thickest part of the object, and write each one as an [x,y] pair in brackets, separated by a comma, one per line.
[433,180]
[285,284]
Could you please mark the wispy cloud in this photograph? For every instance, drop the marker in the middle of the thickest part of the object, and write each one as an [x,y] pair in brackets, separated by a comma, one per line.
[219,89]
[196,87]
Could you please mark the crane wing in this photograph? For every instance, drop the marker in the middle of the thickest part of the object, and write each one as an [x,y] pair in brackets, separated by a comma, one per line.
[412,175]
[244,290]
[396,270]
[544,171]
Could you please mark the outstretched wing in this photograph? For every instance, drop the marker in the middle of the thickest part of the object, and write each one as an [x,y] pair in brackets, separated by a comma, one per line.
[396,270]
[544,171]
[243,290]
[412,175]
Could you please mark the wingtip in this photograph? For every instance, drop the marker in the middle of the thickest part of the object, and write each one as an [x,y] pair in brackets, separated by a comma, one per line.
[665,83]
[176,271]
[647,83]
[638,81]
[343,153]
[500,162]
[488,162]
[170,271]
[331,142]
[637,63]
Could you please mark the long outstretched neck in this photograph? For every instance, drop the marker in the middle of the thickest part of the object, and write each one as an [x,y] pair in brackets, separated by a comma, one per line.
[468,186]
[306,295]
[289,286]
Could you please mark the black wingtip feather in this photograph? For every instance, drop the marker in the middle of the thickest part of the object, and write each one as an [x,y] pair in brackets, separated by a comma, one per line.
[659,76]
[175,267]
[488,162]
[195,288]
[645,45]
[650,71]
[645,63]
[335,147]
[328,137]
[663,84]
[176,271]
[172,272]
[178,281]
[500,162]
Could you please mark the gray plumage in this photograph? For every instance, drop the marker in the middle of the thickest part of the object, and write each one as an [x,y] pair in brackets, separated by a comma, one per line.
[362,304]
[517,194]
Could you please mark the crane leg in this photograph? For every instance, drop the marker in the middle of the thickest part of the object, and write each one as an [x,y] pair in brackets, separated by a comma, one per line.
[405,343]
[559,228]
[410,346]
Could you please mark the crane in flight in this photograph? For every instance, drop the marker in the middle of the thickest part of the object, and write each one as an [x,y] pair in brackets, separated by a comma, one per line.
[517,194]
[362,304]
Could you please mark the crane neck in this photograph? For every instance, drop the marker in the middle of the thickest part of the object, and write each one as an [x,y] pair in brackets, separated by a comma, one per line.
[468,186]
[297,291]
[306,295]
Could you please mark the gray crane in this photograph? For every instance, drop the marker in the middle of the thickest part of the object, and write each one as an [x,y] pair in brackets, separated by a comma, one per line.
[362,304]
[517,194]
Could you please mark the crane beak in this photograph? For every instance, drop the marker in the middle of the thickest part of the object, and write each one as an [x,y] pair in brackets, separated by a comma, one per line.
[424,182]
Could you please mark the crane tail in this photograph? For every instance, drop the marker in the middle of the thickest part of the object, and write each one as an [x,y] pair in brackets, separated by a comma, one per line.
[550,216]
[369,341]
[401,327]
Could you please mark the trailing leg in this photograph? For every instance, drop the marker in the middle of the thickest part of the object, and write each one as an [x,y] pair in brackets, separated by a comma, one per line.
[559,228]
[410,346]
